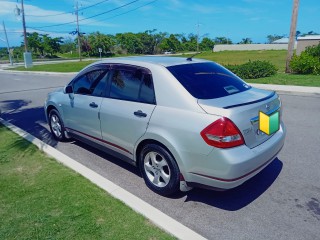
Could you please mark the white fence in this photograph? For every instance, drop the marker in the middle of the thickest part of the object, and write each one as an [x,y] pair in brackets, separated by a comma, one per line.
[248,47]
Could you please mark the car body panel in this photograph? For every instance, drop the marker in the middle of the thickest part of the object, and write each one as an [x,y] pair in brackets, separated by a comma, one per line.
[120,126]
[80,117]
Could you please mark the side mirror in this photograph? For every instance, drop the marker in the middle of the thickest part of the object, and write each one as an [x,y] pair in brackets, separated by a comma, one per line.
[68,89]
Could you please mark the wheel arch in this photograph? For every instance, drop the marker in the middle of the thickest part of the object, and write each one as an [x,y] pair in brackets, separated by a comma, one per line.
[166,145]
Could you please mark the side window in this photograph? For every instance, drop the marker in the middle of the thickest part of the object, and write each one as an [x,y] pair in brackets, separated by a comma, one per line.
[100,88]
[87,83]
[132,85]
[125,85]
[147,90]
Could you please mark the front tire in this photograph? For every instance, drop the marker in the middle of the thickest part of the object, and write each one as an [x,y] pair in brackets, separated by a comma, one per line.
[159,169]
[56,125]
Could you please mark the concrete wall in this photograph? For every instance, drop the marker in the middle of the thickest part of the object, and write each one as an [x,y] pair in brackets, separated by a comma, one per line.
[249,47]
[303,43]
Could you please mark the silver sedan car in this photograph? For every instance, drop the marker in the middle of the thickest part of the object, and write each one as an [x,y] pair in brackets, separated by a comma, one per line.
[183,122]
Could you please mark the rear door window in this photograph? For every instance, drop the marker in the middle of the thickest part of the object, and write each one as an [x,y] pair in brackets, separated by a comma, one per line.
[208,80]
[132,84]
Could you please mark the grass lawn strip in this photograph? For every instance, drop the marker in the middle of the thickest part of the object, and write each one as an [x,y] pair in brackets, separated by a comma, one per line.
[41,199]
[56,67]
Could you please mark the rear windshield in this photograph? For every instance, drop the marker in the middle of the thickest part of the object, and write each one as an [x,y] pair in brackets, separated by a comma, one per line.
[208,80]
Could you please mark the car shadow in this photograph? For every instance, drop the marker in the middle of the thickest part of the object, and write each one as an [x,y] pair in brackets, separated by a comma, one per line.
[239,197]
[108,157]
[31,120]
[230,200]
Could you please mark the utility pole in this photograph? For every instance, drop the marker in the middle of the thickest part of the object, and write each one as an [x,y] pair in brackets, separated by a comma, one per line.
[26,55]
[292,37]
[24,28]
[78,31]
[8,47]
[198,30]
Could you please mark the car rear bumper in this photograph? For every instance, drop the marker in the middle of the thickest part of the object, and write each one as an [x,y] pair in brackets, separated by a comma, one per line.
[229,168]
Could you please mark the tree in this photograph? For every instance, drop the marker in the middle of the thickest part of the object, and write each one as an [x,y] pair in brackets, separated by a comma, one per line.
[206,44]
[274,37]
[130,42]
[246,41]
[170,44]
[148,41]
[222,40]
[34,42]
[159,37]
[43,43]
[68,45]
[51,45]
[98,40]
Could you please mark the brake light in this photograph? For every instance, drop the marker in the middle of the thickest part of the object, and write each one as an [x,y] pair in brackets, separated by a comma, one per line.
[222,133]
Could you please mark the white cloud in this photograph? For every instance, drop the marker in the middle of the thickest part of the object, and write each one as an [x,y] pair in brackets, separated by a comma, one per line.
[204,9]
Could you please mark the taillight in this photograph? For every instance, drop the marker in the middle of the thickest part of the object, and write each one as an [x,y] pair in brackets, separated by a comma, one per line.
[222,133]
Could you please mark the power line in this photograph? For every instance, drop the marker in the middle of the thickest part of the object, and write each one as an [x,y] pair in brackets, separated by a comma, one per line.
[59,14]
[122,13]
[61,24]
[93,5]
[40,30]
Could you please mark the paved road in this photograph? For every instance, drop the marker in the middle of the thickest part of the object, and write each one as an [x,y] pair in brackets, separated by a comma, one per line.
[281,202]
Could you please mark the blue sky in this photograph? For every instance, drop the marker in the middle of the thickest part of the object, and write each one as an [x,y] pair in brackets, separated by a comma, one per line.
[235,19]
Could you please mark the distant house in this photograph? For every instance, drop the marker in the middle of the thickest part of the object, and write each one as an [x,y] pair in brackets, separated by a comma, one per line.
[281,41]
[307,41]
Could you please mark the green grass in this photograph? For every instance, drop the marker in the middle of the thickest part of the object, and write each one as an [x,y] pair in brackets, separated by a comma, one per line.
[289,79]
[56,67]
[276,57]
[42,199]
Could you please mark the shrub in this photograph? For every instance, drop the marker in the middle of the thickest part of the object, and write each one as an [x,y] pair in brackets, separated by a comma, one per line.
[305,64]
[314,51]
[254,69]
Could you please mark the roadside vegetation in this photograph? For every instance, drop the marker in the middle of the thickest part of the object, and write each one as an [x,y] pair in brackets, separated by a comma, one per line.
[230,59]
[308,62]
[266,66]
[42,199]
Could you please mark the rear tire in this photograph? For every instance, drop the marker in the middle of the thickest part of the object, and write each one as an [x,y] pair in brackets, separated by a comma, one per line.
[56,126]
[159,169]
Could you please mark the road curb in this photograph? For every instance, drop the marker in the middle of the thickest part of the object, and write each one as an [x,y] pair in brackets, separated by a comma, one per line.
[38,72]
[160,219]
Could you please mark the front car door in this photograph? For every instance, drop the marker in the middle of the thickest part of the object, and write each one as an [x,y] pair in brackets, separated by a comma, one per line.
[127,108]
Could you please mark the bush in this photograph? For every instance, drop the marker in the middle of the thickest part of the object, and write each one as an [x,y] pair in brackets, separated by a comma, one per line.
[305,64]
[254,69]
[314,51]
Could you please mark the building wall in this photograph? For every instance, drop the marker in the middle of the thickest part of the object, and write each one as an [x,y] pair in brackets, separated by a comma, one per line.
[303,43]
[249,47]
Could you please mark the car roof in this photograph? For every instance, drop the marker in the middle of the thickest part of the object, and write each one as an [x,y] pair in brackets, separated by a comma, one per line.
[157,60]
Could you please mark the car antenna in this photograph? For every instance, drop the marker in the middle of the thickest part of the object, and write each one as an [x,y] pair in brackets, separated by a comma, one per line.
[190,58]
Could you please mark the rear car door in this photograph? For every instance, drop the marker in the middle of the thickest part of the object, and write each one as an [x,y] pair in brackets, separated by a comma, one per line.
[127,108]
[81,111]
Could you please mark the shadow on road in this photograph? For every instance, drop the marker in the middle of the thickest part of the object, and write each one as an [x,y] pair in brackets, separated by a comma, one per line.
[237,198]
[31,120]
[109,157]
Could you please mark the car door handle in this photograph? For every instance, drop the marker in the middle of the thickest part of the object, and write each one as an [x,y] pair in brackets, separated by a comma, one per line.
[93,105]
[140,113]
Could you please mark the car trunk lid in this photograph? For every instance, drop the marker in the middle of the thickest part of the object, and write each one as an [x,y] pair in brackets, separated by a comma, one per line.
[243,109]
